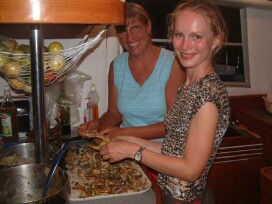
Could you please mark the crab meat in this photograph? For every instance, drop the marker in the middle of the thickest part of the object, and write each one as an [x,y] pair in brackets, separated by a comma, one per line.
[98,139]
[86,128]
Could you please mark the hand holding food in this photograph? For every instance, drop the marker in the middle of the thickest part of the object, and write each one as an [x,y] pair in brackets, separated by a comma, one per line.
[98,140]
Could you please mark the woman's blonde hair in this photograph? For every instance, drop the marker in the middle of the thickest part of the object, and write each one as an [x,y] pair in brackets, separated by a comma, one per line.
[134,10]
[209,11]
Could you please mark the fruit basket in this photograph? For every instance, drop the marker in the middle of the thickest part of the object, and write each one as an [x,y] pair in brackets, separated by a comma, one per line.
[15,61]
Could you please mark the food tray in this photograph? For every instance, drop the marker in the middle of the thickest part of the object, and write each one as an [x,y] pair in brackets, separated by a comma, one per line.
[75,193]
[73,178]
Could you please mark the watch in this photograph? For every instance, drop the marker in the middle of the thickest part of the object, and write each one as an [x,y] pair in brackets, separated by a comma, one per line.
[139,154]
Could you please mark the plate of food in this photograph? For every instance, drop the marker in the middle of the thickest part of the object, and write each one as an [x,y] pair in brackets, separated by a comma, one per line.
[93,178]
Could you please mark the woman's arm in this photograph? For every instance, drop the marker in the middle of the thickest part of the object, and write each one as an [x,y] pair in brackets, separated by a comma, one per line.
[126,147]
[151,145]
[147,132]
[198,148]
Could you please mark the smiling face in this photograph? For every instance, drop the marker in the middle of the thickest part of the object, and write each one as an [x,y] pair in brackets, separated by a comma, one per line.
[193,39]
[136,39]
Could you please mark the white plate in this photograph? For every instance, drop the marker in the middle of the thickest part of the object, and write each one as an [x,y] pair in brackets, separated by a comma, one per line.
[76,193]
[73,178]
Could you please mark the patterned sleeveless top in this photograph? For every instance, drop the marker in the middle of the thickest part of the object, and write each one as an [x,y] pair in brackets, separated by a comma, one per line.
[177,121]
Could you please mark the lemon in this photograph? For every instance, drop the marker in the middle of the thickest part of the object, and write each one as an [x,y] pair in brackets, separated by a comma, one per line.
[19,54]
[55,47]
[25,48]
[3,59]
[56,63]
[12,69]
[11,45]
[16,84]
[27,89]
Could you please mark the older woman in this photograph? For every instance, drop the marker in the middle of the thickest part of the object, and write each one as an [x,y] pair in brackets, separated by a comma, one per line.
[143,82]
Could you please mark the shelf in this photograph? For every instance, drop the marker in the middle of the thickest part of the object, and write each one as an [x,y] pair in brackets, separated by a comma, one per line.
[51,31]
[62,11]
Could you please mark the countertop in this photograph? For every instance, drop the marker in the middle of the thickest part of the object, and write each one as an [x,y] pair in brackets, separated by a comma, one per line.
[261,115]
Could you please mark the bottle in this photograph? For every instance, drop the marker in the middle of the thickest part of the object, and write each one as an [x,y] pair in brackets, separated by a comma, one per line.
[92,105]
[9,120]
[64,103]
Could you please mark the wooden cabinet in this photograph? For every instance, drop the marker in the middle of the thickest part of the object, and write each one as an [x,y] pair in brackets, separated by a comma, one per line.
[63,12]
[235,173]
[250,111]
[230,182]
[260,121]
[234,177]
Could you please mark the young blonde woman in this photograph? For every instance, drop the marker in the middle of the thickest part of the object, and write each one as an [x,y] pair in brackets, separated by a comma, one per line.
[197,121]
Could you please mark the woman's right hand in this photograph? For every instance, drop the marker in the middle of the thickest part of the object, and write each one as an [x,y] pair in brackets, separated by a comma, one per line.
[90,127]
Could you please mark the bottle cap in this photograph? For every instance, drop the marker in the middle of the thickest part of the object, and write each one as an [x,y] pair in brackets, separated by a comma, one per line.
[93,87]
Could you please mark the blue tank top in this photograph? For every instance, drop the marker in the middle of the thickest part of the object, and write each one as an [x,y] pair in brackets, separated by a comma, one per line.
[145,104]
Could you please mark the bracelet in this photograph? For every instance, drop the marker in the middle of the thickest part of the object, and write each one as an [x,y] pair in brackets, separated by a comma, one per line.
[139,154]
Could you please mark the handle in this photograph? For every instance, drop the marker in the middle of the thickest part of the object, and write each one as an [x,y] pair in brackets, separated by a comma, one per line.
[7,145]
[253,133]
[243,127]
[54,166]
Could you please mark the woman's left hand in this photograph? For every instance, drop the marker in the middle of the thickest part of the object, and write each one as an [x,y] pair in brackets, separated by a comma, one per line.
[118,149]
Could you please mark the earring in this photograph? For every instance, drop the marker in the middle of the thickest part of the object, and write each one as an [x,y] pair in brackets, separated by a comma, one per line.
[215,50]
[212,51]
